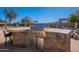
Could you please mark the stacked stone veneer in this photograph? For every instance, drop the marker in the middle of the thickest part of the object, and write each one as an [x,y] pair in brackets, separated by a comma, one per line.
[46,41]
[34,38]
[21,38]
[57,42]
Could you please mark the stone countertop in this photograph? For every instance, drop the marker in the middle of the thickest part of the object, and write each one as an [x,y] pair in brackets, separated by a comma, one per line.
[18,29]
[38,33]
[64,31]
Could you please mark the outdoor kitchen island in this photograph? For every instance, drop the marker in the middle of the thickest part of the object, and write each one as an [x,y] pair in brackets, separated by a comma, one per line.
[47,39]
[27,37]
[57,40]
[20,36]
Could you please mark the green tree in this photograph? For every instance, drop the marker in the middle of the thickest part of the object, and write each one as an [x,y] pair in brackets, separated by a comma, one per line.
[27,21]
[9,14]
[17,24]
[74,18]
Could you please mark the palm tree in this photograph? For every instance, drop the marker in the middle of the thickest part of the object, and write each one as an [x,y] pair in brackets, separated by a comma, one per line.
[9,14]
[74,18]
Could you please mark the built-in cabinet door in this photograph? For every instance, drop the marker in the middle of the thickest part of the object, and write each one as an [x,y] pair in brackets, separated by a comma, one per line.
[34,42]
[37,43]
[40,43]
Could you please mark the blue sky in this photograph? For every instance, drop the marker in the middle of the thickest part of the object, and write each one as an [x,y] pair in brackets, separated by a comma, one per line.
[42,14]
